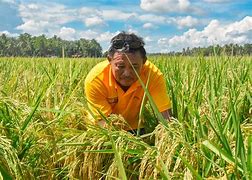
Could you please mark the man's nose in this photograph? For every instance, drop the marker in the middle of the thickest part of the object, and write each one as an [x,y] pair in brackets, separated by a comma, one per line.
[127,72]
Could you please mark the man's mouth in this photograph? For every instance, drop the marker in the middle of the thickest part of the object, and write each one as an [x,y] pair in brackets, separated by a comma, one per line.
[127,79]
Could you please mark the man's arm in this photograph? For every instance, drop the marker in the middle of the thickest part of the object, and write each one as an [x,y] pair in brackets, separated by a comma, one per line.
[160,96]
[96,96]
[167,114]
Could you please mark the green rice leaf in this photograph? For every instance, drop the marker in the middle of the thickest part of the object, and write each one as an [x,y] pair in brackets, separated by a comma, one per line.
[224,155]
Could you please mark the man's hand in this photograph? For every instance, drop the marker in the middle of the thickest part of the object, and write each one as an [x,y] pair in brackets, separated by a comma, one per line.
[101,123]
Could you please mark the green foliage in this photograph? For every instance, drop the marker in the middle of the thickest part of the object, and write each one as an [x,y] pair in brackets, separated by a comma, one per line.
[215,50]
[26,45]
[44,130]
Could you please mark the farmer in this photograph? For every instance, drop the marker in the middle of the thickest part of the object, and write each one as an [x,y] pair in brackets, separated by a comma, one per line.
[112,86]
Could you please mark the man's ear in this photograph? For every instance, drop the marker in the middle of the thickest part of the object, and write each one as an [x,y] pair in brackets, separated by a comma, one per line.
[109,58]
[144,59]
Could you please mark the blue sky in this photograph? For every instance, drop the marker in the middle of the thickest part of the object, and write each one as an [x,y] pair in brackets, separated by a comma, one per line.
[165,25]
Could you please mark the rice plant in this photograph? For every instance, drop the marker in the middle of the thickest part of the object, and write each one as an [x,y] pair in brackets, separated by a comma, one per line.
[45,130]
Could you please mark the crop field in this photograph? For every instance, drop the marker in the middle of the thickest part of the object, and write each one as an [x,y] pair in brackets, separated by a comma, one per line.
[45,131]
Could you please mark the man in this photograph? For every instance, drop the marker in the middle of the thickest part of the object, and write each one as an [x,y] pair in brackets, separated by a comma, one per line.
[113,87]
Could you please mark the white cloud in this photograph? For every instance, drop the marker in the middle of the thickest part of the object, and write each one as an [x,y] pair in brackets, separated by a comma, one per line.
[102,38]
[149,26]
[131,29]
[187,21]
[49,18]
[148,39]
[87,11]
[94,21]
[44,18]
[35,27]
[165,5]
[4,32]
[117,15]
[152,18]
[54,13]
[106,36]
[181,22]
[184,4]
[67,33]
[33,7]
[7,33]
[9,1]
[239,32]
[87,34]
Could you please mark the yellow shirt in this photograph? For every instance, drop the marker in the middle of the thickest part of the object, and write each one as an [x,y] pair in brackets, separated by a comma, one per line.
[103,92]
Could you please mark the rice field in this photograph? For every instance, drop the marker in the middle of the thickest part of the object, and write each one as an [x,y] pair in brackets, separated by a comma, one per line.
[45,134]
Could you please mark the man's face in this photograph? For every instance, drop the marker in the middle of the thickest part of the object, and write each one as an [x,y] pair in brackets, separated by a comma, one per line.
[122,69]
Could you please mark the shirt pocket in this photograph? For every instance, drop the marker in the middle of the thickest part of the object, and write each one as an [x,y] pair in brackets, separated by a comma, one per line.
[112,100]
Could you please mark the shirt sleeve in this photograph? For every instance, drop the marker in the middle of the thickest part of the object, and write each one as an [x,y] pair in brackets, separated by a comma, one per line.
[159,93]
[95,92]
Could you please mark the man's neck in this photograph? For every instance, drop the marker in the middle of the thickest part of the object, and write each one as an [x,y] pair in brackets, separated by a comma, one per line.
[124,88]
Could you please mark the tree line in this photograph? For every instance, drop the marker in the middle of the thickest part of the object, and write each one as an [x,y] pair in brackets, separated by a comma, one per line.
[26,45]
[228,49]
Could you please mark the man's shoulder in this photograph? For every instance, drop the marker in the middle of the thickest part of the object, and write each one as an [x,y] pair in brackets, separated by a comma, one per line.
[96,71]
[149,67]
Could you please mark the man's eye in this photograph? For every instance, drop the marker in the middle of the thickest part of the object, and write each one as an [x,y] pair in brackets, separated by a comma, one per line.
[120,67]
[135,67]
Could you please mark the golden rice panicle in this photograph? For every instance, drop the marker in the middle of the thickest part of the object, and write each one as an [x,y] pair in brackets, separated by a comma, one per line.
[116,122]
[147,166]
[82,160]
[167,142]
[124,144]
[9,161]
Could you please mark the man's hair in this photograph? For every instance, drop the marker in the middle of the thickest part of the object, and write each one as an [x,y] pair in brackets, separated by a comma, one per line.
[132,44]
